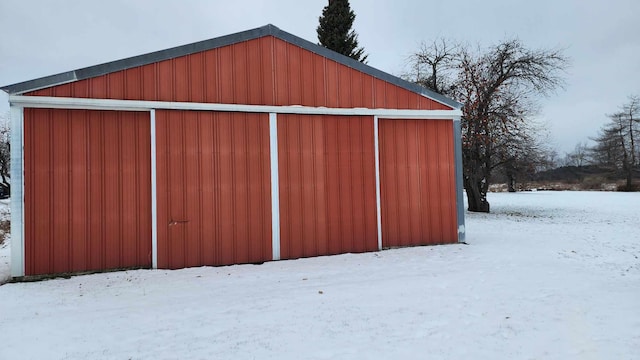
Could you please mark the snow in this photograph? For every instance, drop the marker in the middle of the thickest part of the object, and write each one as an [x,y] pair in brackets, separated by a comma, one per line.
[547,275]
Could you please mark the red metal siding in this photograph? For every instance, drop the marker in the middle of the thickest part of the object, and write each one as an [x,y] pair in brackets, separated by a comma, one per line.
[417,182]
[87,173]
[87,190]
[327,185]
[265,71]
[214,193]
[236,74]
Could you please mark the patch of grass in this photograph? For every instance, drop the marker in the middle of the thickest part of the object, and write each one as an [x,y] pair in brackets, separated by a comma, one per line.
[593,183]
[622,186]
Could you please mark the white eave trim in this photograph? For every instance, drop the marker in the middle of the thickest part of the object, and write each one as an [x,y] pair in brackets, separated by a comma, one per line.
[140,105]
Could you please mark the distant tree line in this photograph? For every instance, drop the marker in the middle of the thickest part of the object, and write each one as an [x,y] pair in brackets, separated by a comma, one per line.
[616,147]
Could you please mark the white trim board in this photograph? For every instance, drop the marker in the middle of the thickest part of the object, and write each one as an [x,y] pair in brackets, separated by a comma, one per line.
[138,105]
[275,186]
[154,193]
[376,144]
[17,192]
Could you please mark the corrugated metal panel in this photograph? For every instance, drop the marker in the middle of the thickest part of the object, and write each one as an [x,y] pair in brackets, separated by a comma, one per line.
[213,178]
[87,190]
[417,182]
[327,185]
[264,71]
[236,74]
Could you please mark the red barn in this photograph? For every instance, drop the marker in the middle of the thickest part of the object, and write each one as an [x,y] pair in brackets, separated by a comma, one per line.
[246,148]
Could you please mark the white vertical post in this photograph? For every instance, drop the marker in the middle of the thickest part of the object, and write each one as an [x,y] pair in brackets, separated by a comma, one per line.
[17,192]
[154,194]
[457,143]
[275,186]
[378,201]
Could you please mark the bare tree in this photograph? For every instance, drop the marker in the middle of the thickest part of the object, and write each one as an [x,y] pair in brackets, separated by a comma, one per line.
[616,144]
[496,87]
[550,160]
[521,158]
[579,155]
[631,115]
[434,65]
[606,152]
[5,155]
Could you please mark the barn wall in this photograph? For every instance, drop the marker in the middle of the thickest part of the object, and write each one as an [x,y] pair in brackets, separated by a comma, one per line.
[304,78]
[237,74]
[264,71]
[87,190]
[417,182]
[327,185]
[213,178]
[87,173]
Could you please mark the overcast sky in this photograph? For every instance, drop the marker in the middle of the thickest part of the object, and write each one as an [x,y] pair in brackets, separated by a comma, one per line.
[43,37]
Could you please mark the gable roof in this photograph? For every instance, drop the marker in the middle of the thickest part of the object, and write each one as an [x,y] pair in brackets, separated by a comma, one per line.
[267,30]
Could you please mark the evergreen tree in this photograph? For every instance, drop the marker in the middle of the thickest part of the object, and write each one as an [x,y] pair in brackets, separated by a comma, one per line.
[335,33]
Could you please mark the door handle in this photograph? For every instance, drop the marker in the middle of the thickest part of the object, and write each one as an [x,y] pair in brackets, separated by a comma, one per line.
[176,222]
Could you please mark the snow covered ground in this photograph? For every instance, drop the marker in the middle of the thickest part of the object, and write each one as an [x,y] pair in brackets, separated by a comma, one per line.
[547,275]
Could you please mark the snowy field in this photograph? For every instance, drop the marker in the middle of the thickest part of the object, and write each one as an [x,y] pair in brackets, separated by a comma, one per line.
[547,275]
